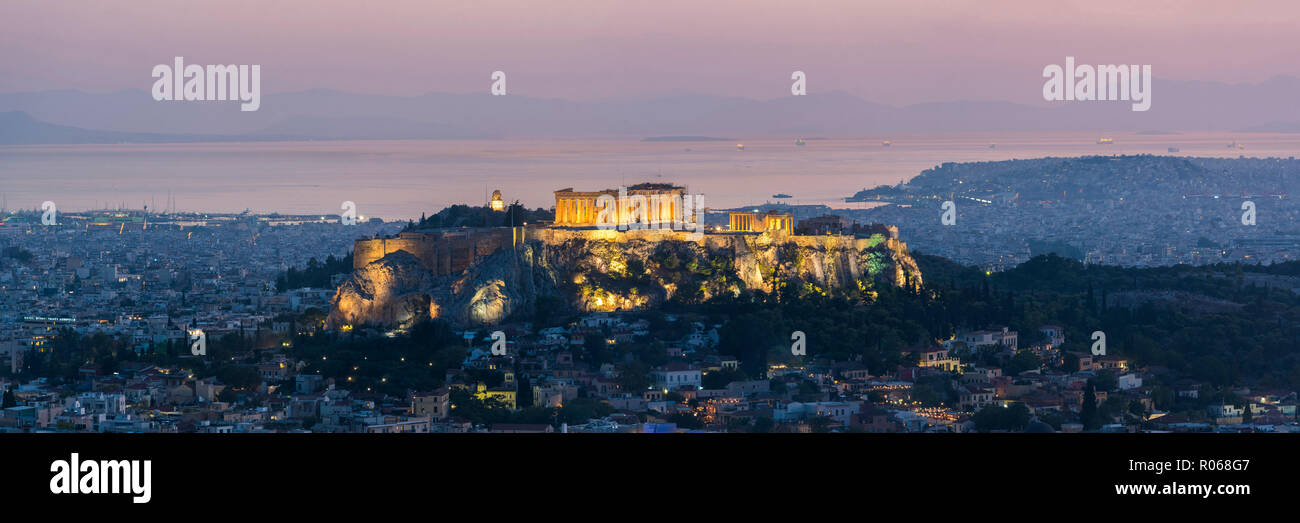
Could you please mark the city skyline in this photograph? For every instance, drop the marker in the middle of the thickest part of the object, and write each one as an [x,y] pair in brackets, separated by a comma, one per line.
[427,255]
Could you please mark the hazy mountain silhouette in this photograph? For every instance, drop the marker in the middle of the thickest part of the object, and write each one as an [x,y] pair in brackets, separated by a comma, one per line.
[19,128]
[65,116]
[1274,127]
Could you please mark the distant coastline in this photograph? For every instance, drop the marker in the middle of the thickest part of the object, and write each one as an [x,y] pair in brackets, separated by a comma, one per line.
[686,139]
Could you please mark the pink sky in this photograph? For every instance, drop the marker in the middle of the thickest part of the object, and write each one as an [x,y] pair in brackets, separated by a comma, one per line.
[896,52]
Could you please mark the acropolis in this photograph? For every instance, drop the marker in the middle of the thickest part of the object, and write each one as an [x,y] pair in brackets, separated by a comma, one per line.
[481,275]
[578,215]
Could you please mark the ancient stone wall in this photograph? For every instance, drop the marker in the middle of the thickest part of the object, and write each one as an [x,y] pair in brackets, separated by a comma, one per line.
[451,251]
[481,276]
[441,252]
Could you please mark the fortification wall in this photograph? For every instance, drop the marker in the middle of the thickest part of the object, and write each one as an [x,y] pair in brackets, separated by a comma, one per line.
[486,290]
[441,252]
[451,251]
[366,251]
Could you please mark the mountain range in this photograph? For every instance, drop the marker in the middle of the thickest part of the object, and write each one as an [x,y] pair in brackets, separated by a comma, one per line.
[68,116]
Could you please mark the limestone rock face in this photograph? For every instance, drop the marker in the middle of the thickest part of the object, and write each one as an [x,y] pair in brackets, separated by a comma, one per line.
[599,274]
[498,286]
[392,291]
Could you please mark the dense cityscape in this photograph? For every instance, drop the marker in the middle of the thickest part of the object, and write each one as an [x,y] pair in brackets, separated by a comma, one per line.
[98,316]
[1135,211]
[541,257]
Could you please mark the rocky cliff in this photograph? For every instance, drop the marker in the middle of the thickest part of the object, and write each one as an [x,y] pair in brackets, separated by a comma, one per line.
[600,272]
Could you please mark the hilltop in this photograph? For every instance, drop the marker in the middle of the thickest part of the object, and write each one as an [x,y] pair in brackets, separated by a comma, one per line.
[588,270]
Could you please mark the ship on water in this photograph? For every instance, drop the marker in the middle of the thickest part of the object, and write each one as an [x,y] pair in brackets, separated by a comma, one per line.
[1105,141]
[782,195]
[993,146]
[886,143]
[1235,145]
[799,142]
[740,147]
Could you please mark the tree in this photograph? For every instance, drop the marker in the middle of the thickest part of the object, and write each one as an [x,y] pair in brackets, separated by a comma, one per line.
[596,351]
[926,395]
[1012,417]
[1163,397]
[1088,415]
[524,398]
[686,421]
[1137,409]
[1106,380]
[239,378]
[777,386]
[9,400]
[227,395]
[516,215]
[1070,362]
[633,378]
[581,410]
[1114,405]
[719,379]
[1024,360]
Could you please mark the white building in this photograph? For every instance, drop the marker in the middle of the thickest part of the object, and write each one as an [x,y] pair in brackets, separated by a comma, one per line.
[675,375]
[1129,381]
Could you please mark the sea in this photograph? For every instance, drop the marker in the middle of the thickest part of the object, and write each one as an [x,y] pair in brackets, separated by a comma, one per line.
[402,179]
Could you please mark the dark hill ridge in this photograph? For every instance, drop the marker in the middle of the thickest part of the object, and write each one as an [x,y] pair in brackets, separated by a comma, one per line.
[1096,178]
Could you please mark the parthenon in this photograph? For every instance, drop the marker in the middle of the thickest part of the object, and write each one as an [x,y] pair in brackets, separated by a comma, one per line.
[663,204]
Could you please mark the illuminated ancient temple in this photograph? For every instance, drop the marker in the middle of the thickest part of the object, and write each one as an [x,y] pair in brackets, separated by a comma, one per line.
[664,204]
[771,221]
